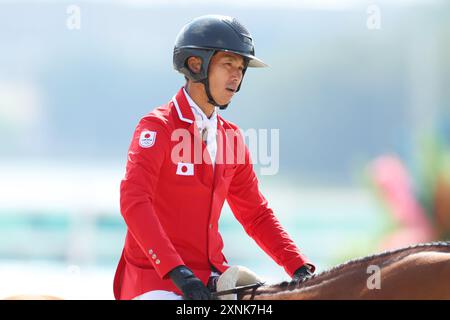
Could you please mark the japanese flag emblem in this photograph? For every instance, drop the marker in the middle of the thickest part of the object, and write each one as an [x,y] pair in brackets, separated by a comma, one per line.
[185,169]
[147,138]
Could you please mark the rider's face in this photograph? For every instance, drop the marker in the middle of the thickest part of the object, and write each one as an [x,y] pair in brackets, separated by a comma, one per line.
[225,74]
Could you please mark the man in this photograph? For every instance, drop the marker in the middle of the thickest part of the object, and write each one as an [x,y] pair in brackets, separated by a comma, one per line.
[170,201]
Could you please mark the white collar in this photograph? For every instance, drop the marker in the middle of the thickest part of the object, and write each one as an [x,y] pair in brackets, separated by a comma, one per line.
[199,110]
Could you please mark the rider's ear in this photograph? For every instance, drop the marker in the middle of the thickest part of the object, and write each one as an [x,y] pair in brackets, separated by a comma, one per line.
[194,64]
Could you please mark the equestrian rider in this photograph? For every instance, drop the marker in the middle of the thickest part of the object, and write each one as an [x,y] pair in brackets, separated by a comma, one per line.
[170,201]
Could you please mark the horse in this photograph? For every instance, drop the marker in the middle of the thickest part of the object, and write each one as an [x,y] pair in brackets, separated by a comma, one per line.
[416,272]
[420,271]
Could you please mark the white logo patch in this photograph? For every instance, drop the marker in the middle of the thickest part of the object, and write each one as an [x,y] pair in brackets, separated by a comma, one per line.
[185,169]
[147,138]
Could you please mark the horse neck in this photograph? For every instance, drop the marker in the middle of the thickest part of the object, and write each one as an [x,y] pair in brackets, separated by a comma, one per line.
[356,266]
[379,259]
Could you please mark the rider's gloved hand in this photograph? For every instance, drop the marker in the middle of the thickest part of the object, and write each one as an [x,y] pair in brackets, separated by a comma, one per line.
[301,274]
[191,286]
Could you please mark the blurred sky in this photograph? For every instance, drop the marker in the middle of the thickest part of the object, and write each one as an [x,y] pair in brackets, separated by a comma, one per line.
[340,91]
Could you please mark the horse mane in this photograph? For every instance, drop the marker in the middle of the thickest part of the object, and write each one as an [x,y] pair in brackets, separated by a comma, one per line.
[353,262]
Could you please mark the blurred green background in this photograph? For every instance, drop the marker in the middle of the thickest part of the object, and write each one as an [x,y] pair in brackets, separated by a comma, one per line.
[363,110]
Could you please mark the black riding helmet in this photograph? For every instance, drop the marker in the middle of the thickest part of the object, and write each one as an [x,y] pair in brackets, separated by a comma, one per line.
[206,35]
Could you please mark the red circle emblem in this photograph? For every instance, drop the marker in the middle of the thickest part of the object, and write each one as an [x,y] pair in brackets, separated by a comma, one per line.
[147,136]
[183,169]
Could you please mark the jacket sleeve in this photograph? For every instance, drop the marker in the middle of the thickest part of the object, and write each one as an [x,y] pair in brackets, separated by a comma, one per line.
[251,209]
[137,194]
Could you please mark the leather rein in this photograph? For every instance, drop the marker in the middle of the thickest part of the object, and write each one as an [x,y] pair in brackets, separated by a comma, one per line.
[252,287]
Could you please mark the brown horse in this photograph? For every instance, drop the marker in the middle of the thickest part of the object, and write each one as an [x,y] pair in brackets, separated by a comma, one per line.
[417,272]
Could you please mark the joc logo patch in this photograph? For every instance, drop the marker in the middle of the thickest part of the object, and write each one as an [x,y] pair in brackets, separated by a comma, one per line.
[147,138]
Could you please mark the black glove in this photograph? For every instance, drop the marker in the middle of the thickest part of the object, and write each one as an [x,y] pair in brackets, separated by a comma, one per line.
[301,274]
[212,283]
[191,286]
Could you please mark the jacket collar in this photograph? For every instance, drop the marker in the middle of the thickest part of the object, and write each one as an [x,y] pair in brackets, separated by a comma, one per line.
[183,108]
[199,115]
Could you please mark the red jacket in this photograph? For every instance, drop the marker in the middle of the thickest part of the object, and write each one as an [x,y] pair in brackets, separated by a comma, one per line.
[172,206]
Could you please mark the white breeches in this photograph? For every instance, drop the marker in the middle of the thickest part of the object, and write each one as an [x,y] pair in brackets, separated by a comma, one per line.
[163,294]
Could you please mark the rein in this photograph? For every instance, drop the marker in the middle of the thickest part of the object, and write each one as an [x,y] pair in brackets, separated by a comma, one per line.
[239,289]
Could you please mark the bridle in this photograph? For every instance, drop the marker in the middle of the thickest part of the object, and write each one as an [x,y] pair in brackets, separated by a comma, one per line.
[253,287]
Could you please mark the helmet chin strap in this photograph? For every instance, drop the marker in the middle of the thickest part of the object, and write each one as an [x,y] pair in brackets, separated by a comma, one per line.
[210,97]
[208,91]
